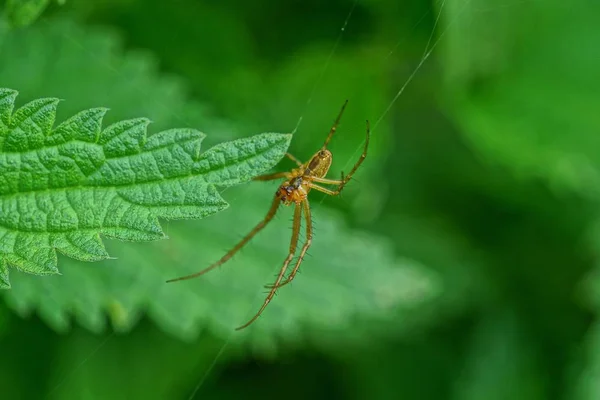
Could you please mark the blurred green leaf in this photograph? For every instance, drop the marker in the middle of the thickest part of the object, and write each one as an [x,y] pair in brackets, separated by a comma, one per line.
[585,369]
[526,94]
[62,187]
[500,363]
[350,275]
[585,384]
[84,357]
[24,12]
[86,68]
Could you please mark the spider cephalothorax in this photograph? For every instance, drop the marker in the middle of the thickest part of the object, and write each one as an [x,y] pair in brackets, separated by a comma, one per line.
[292,191]
[298,183]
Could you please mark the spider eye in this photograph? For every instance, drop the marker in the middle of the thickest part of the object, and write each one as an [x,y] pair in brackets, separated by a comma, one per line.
[322,154]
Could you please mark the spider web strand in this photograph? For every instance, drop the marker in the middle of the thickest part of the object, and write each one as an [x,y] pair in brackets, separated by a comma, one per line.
[326,66]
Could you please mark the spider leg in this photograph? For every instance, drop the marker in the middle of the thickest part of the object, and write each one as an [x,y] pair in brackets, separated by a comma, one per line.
[335,125]
[324,190]
[325,180]
[293,246]
[230,253]
[278,175]
[309,230]
[270,177]
[360,160]
[294,159]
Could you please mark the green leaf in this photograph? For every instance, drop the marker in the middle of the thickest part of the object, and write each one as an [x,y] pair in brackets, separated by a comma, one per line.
[128,85]
[142,373]
[526,95]
[24,12]
[60,188]
[500,363]
[584,384]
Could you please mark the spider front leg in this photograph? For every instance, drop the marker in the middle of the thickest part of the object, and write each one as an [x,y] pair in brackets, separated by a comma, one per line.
[294,159]
[273,176]
[325,190]
[278,175]
[237,247]
[293,246]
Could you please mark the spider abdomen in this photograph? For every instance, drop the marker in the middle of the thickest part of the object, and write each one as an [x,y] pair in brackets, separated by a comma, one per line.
[319,164]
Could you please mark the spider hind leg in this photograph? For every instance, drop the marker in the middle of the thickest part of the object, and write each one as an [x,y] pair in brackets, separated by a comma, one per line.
[293,245]
[272,211]
[307,243]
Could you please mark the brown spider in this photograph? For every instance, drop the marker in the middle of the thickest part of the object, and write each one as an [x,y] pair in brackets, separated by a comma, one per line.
[298,183]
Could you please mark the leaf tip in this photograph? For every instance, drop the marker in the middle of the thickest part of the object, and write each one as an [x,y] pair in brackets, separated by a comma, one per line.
[144,121]
[8,92]
[48,100]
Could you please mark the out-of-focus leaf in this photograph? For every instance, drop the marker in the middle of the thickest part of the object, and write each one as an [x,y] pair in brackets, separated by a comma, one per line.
[349,276]
[522,83]
[585,384]
[24,12]
[500,363]
[128,85]
[140,374]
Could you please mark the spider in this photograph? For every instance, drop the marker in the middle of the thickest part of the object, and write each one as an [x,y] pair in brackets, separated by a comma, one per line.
[294,190]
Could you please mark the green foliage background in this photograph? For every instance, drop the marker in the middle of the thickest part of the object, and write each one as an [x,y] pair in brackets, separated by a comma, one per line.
[461,263]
